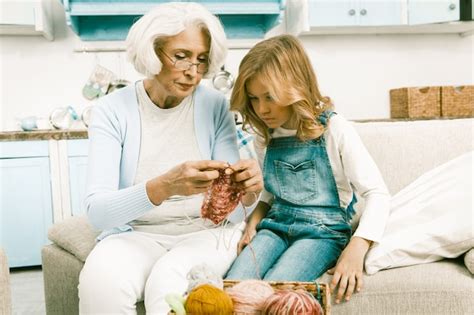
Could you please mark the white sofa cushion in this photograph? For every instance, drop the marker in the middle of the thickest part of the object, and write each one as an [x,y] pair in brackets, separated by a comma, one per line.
[430,219]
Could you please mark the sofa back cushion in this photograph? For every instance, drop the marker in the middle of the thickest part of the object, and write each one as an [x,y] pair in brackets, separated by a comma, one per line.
[404,150]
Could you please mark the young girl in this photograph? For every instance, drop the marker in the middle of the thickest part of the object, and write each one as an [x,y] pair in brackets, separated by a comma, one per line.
[313,165]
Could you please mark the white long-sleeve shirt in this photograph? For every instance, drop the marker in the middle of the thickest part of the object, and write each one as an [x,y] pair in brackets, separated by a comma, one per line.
[353,169]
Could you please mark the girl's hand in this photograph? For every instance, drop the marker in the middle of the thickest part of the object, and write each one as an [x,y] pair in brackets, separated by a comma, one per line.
[186,179]
[246,238]
[348,272]
[248,174]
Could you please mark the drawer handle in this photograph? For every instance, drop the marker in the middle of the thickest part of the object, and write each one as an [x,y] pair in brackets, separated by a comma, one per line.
[363,12]
[352,12]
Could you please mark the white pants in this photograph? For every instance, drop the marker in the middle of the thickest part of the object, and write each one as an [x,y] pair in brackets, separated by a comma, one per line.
[136,266]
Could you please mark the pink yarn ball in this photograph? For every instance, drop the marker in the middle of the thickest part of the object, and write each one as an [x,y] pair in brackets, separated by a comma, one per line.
[292,302]
[249,296]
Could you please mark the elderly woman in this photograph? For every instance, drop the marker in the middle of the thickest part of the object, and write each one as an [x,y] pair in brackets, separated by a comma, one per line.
[155,147]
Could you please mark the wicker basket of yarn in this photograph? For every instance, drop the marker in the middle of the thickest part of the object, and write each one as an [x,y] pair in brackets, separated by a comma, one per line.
[319,290]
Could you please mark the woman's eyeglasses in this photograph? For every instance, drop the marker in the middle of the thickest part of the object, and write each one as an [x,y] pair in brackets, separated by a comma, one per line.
[185,65]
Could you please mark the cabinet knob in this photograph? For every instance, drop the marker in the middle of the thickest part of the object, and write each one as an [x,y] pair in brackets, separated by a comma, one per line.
[363,12]
[452,6]
[352,12]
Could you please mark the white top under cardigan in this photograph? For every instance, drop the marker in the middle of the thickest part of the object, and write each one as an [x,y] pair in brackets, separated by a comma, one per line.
[168,139]
[353,168]
[112,199]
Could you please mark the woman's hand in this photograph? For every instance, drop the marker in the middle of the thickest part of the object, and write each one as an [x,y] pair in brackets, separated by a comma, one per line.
[249,176]
[186,179]
[348,272]
[246,238]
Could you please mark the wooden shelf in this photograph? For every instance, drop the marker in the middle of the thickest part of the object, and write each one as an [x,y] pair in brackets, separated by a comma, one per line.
[463,28]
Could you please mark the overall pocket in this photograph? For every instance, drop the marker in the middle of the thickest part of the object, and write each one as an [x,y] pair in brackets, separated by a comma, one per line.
[296,183]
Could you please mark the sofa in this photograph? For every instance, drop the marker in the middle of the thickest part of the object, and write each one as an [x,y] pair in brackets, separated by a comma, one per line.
[403,150]
[5,295]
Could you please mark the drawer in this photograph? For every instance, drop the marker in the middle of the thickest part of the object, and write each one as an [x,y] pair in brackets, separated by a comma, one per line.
[24,149]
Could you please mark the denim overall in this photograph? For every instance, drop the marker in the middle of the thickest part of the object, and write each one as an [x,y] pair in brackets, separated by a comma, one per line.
[306,229]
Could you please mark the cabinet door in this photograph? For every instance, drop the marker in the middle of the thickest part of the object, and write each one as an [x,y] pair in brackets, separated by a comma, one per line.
[379,13]
[25,209]
[424,12]
[77,180]
[332,13]
[77,159]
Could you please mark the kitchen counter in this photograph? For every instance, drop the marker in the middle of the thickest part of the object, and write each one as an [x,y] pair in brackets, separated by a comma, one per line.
[43,135]
[82,133]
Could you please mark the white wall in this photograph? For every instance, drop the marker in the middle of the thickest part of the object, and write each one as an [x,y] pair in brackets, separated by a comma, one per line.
[356,71]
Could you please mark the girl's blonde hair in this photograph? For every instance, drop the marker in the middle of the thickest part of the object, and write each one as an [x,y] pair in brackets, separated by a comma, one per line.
[281,62]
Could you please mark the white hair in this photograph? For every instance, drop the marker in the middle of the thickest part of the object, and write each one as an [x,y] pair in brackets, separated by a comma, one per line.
[169,19]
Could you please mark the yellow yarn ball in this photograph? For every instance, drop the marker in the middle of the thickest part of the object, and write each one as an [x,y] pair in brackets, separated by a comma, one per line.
[206,299]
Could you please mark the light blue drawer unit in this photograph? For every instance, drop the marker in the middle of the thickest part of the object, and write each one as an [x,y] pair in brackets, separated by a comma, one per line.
[110,20]
[77,158]
[353,13]
[25,201]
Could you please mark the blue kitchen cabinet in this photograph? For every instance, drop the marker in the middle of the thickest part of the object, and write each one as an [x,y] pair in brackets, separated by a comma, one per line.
[380,13]
[424,12]
[33,17]
[354,13]
[25,205]
[95,20]
[77,158]
[331,13]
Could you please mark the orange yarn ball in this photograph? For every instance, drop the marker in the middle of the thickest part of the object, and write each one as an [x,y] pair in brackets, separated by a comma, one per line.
[206,299]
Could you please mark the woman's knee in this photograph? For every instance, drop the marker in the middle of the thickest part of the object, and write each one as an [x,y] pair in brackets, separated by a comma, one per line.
[114,274]
[101,285]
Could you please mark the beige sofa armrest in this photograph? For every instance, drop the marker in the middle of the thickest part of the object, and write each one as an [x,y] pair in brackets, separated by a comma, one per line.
[5,295]
[75,235]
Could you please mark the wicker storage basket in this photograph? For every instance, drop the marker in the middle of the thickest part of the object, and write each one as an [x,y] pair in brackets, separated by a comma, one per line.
[319,290]
[457,101]
[415,102]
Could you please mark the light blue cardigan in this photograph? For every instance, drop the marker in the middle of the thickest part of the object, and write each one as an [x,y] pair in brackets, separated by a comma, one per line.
[112,200]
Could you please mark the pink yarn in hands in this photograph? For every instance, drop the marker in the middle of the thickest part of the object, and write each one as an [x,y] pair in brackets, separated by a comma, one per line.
[249,296]
[221,198]
[292,302]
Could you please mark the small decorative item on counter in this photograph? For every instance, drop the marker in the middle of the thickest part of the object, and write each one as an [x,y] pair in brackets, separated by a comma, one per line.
[29,123]
[98,83]
[63,117]
[34,123]
[457,101]
[415,102]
